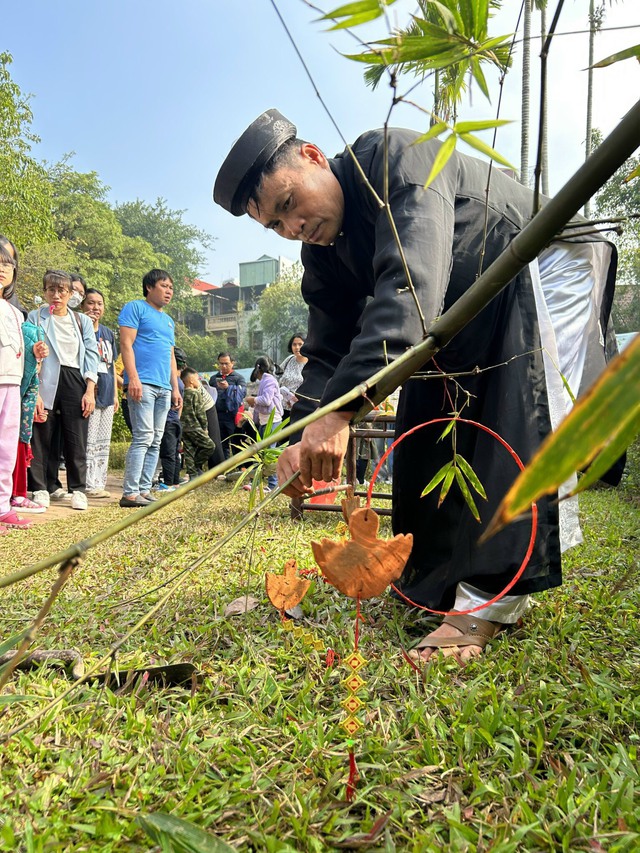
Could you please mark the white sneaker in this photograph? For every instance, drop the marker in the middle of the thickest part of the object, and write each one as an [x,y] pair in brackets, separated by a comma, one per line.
[59,495]
[79,501]
[41,497]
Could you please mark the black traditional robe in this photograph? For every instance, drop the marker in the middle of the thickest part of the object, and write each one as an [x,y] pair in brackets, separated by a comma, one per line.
[361,313]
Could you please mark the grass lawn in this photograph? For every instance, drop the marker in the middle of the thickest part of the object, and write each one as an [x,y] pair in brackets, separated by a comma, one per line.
[532,748]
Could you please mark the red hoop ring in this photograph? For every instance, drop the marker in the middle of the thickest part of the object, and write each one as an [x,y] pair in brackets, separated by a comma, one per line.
[534,513]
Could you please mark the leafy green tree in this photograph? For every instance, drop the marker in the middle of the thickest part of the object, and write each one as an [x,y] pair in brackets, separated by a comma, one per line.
[201,350]
[620,198]
[168,234]
[25,193]
[88,227]
[283,310]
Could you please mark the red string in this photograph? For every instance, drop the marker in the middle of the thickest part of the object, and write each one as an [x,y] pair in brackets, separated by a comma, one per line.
[357,629]
[534,513]
[352,781]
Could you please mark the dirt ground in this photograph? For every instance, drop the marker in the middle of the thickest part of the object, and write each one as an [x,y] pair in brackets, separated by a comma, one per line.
[62,509]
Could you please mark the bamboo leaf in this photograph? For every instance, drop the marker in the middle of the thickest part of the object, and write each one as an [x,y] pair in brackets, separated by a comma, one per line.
[481,146]
[466,494]
[433,132]
[607,409]
[437,478]
[634,174]
[442,157]
[473,126]
[181,835]
[447,429]
[629,53]
[448,480]
[471,475]
[356,20]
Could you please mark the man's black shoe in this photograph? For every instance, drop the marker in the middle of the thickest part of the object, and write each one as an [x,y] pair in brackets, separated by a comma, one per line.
[134,503]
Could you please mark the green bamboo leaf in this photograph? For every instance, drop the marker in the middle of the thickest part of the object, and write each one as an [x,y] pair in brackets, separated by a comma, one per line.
[442,157]
[471,475]
[606,410]
[629,53]
[447,429]
[466,494]
[473,126]
[634,174]
[610,454]
[355,20]
[479,145]
[181,835]
[448,480]
[356,13]
[433,132]
[438,478]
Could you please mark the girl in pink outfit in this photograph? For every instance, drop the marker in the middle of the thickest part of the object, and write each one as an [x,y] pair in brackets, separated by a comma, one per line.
[267,400]
[12,359]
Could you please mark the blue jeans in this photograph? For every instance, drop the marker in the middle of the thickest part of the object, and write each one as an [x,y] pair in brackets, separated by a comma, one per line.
[148,418]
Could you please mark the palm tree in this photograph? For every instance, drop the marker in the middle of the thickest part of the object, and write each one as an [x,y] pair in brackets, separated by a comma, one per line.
[526,95]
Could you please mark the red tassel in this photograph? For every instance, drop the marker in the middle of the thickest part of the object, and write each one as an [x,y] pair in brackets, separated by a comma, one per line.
[352,781]
[330,658]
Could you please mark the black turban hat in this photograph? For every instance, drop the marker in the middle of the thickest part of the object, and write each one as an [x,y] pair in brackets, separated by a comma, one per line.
[243,165]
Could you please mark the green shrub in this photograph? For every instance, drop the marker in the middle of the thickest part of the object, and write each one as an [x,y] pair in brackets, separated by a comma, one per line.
[117,454]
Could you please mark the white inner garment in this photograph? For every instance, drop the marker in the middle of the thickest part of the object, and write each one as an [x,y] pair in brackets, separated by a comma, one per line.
[568,284]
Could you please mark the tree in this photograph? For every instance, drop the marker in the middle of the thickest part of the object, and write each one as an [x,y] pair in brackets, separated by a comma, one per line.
[283,311]
[620,198]
[25,194]
[87,225]
[182,245]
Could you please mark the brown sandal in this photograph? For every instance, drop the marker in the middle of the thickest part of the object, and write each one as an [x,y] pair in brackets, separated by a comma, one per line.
[476,632]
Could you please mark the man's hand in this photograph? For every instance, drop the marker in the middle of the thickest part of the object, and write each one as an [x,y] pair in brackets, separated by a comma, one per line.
[318,456]
[134,390]
[176,399]
[323,446]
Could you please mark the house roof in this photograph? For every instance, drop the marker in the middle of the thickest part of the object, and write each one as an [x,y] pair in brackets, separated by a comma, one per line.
[203,286]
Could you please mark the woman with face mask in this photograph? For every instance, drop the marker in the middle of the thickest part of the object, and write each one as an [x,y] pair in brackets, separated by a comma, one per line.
[67,390]
[101,419]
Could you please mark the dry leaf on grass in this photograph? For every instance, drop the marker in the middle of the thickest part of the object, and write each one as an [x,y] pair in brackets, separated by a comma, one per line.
[241,605]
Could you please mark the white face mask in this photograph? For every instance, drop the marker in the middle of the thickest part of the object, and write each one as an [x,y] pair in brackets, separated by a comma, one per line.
[74,300]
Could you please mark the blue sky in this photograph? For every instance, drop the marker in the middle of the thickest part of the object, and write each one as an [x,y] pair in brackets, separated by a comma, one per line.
[151,94]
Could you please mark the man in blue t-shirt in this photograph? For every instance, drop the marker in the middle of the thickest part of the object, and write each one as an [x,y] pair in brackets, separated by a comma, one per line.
[147,339]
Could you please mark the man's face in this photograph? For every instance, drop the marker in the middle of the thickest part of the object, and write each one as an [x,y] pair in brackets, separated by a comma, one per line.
[225,365]
[161,294]
[302,200]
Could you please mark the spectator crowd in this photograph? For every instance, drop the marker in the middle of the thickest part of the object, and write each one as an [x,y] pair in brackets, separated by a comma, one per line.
[62,380]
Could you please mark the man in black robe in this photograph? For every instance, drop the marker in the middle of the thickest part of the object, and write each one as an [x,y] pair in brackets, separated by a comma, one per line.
[362,313]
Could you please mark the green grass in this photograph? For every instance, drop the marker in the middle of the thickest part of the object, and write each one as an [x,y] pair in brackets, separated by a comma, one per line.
[532,748]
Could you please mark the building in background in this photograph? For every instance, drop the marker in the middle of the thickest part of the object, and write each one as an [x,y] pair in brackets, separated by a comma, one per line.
[232,307]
